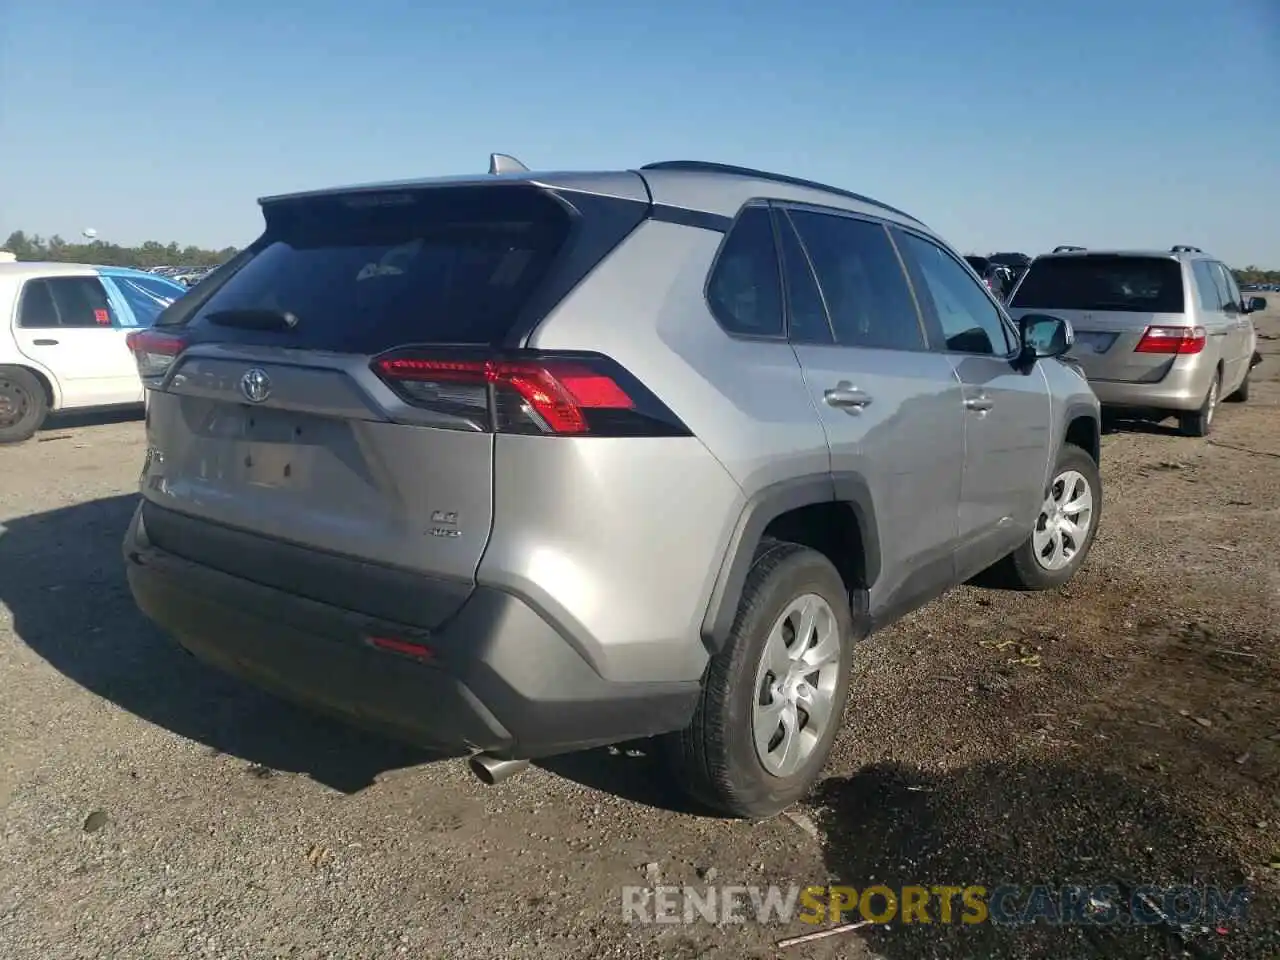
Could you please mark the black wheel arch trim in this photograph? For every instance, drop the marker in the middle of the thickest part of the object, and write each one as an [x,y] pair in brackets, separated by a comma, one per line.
[1075,410]
[763,508]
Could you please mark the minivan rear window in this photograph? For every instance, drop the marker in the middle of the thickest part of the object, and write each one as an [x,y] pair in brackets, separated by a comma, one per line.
[1102,283]
[365,272]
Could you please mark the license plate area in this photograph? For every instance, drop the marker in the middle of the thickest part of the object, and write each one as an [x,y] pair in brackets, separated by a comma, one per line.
[275,448]
[1092,343]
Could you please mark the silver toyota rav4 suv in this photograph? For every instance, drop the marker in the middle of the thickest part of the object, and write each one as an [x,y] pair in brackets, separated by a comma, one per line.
[1157,332]
[521,464]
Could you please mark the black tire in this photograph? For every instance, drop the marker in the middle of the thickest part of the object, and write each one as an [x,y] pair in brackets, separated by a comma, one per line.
[716,758]
[1242,392]
[1198,423]
[23,404]
[1022,569]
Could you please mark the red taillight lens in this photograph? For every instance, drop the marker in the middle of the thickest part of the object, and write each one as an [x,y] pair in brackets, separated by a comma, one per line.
[1174,340]
[154,351]
[564,396]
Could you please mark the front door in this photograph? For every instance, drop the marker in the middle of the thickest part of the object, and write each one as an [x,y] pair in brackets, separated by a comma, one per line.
[68,324]
[891,410]
[1007,411]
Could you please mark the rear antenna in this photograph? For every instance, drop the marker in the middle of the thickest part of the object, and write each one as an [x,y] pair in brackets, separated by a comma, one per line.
[503,163]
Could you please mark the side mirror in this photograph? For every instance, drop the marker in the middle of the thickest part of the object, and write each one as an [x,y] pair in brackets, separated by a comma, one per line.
[1045,336]
[1255,304]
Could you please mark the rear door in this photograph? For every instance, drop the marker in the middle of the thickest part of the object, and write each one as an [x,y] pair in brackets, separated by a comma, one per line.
[1007,413]
[891,410]
[69,325]
[272,420]
[1110,301]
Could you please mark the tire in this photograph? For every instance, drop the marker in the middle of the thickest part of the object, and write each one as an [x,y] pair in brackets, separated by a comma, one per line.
[1242,392]
[23,404]
[1198,423]
[1027,568]
[716,758]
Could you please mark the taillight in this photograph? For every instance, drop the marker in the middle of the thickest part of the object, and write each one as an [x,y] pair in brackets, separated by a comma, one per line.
[562,395]
[154,351]
[1176,340]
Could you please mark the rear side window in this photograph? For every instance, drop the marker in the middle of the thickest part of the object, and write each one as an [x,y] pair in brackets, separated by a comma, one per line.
[1102,282]
[363,273]
[65,302]
[862,282]
[744,290]
[146,298]
[1209,287]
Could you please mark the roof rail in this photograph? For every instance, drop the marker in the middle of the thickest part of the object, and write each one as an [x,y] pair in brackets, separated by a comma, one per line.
[1182,248]
[1067,248]
[504,163]
[706,166]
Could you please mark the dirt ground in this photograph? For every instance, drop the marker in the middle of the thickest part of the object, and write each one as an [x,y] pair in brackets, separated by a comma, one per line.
[1125,730]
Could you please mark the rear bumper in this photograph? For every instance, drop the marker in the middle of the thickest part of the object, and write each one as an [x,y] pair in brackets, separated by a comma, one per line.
[1183,387]
[500,678]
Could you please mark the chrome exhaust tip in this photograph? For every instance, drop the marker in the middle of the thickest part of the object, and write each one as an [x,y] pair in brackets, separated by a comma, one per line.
[491,770]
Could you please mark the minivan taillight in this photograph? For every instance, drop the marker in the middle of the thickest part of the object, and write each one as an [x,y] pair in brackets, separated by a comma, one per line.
[1176,340]
[154,352]
[562,395]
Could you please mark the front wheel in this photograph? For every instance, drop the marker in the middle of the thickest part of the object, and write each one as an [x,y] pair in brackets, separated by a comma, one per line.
[1065,527]
[773,698]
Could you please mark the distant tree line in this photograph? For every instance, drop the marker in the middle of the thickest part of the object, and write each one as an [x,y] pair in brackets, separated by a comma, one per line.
[150,254]
[155,254]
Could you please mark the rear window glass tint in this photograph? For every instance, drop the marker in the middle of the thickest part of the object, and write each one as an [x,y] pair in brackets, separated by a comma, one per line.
[1102,283]
[367,272]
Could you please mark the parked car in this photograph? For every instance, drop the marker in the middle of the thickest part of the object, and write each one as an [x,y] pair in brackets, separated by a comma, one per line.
[62,338]
[1163,332]
[524,464]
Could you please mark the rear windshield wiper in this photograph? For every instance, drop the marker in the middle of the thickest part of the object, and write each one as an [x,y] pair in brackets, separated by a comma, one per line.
[254,319]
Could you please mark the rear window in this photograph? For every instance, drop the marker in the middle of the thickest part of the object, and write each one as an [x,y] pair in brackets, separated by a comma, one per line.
[366,272]
[1102,283]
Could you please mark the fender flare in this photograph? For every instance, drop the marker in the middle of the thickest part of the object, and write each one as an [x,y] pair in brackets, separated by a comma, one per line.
[761,509]
[1075,409]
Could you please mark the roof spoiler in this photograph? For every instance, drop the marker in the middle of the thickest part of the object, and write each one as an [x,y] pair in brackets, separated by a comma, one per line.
[1067,248]
[500,163]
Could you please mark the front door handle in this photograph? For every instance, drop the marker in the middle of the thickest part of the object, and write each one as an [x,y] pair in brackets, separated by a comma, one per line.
[45,343]
[981,403]
[847,397]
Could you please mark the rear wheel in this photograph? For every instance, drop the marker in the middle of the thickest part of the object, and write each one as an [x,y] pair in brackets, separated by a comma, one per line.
[23,405]
[774,696]
[1242,391]
[1198,423]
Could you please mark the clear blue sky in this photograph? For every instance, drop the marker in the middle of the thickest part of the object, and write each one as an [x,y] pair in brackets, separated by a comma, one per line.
[1004,124]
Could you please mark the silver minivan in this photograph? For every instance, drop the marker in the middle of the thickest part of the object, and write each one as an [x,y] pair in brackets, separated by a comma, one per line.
[1158,332]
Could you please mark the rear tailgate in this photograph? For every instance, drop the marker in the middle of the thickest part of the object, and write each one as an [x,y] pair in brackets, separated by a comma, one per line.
[308,472]
[1110,300]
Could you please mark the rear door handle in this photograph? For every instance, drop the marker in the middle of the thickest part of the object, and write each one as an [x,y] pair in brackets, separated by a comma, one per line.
[846,397]
[45,343]
[981,403]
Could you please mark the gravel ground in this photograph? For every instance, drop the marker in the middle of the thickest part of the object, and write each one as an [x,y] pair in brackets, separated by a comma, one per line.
[1124,730]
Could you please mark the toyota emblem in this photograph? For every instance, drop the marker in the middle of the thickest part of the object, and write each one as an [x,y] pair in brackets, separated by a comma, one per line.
[255,385]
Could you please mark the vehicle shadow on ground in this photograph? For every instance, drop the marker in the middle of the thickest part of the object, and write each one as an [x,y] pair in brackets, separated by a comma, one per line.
[1023,824]
[90,418]
[62,578]
[1151,427]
